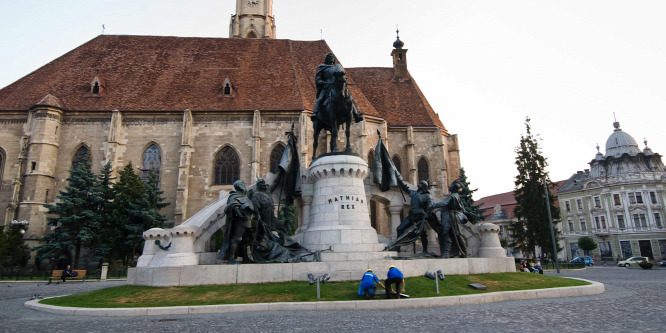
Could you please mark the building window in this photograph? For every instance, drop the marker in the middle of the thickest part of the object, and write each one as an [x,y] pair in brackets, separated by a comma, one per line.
[600,222]
[371,158]
[616,199]
[620,222]
[396,162]
[653,197]
[657,220]
[423,169]
[583,225]
[625,247]
[579,204]
[635,198]
[151,161]
[81,156]
[227,166]
[605,250]
[597,202]
[567,206]
[639,221]
[573,247]
[227,88]
[571,225]
[276,156]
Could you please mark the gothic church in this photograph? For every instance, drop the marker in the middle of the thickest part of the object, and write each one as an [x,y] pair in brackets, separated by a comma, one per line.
[203,112]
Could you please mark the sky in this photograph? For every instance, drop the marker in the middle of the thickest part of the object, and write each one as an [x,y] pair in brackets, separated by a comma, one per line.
[571,66]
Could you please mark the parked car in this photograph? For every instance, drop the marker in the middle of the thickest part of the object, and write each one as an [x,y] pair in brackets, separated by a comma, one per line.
[663,263]
[587,260]
[633,261]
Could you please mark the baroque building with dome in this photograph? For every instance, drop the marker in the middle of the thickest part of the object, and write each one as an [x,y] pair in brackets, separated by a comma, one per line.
[619,202]
[203,112]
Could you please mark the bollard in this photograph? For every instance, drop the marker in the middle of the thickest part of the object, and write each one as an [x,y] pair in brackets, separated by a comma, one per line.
[105,271]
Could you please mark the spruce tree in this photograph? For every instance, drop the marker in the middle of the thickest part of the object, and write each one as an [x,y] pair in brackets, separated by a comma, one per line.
[74,216]
[145,213]
[129,189]
[474,212]
[533,228]
[108,227]
[13,251]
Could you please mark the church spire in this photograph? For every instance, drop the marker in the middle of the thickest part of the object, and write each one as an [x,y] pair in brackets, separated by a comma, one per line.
[253,19]
[399,57]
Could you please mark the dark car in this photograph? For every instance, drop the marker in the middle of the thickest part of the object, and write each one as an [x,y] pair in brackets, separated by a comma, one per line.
[587,260]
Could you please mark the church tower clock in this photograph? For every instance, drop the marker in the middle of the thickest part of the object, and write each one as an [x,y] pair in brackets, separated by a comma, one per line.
[253,19]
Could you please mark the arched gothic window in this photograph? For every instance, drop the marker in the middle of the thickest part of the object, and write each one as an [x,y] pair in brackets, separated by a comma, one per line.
[371,157]
[396,162]
[152,159]
[227,166]
[276,156]
[81,156]
[423,169]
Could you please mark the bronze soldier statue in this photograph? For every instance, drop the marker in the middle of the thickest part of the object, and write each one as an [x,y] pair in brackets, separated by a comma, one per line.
[452,215]
[413,226]
[237,230]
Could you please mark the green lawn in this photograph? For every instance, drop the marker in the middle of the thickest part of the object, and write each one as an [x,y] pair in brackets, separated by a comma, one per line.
[297,291]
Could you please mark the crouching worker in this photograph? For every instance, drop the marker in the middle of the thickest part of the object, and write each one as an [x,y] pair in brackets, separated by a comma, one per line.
[394,276]
[369,284]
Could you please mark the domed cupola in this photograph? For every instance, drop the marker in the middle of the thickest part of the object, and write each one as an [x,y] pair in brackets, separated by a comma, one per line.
[620,143]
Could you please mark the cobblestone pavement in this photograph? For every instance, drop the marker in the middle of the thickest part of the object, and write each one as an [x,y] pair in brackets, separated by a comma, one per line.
[635,301]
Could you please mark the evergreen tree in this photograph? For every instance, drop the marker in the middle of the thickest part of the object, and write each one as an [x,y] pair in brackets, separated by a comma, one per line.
[108,227]
[129,189]
[145,213]
[532,228]
[287,217]
[74,216]
[13,251]
[474,212]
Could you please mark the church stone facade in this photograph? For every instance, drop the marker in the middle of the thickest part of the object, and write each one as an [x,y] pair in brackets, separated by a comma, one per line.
[203,112]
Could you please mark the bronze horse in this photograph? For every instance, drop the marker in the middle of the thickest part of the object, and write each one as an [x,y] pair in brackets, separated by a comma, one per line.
[337,110]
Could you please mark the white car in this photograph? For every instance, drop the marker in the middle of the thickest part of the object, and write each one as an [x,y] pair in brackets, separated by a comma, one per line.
[633,261]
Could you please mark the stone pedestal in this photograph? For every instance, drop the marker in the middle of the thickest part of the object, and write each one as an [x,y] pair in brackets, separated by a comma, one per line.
[339,217]
[181,252]
[149,246]
[105,271]
[490,243]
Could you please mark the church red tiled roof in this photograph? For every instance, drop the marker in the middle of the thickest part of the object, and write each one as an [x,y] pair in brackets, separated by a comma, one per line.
[398,100]
[153,73]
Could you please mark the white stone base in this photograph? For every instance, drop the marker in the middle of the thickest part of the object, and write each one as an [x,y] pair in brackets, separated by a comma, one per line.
[338,270]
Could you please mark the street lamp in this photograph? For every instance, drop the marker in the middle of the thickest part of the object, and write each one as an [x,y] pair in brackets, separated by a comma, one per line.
[22,224]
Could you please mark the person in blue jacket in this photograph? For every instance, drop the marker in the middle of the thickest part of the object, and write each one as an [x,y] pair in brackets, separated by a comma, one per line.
[369,284]
[394,276]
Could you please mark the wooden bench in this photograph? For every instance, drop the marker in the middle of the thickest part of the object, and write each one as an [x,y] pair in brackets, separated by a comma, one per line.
[57,274]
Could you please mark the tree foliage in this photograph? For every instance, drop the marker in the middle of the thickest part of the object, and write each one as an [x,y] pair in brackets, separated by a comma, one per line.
[532,228]
[474,212]
[108,227]
[13,250]
[135,209]
[74,217]
[287,217]
[587,244]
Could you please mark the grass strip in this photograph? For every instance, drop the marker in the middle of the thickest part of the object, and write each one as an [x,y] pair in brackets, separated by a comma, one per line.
[129,296]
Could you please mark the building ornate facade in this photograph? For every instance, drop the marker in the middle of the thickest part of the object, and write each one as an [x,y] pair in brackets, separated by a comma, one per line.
[203,112]
[619,202]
